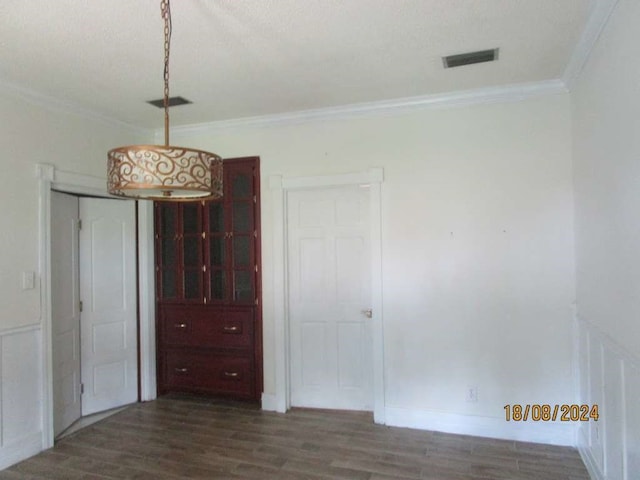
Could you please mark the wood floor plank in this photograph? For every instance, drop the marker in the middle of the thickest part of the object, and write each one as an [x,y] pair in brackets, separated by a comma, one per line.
[183,437]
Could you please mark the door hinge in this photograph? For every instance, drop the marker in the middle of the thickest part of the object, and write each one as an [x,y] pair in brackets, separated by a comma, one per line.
[79,224]
[256,301]
[256,268]
[82,389]
[81,305]
[255,199]
[255,234]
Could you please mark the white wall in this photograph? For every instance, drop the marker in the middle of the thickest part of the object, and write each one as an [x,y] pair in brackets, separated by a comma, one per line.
[606,119]
[31,134]
[477,252]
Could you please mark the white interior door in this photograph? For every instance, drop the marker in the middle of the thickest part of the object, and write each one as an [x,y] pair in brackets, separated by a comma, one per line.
[329,294]
[65,311]
[108,294]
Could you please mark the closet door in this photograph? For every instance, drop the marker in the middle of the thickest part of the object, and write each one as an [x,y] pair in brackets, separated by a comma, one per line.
[328,238]
[65,314]
[109,350]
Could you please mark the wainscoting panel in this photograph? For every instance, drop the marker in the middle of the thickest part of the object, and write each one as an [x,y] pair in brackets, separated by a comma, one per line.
[632,414]
[20,394]
[609,377]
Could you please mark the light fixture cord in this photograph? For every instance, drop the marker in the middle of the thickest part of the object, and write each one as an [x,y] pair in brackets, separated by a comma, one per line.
[165,8]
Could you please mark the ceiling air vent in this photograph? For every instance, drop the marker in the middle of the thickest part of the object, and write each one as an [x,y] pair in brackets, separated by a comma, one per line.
[470,58]
[173,102]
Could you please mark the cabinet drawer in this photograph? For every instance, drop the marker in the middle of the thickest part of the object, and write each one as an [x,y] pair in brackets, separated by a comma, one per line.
[184,326]
[209,373]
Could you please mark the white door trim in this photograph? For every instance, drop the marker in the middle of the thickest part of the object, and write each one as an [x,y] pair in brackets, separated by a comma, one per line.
[50,178]
[280,186]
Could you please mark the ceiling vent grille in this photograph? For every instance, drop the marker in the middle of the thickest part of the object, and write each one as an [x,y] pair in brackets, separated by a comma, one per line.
[173,102]
[470,58]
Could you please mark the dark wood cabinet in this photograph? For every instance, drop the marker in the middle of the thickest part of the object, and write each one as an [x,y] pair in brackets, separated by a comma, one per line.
[209,321]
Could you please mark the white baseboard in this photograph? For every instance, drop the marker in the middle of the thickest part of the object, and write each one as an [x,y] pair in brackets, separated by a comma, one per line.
[270,403]
[20,450]
[536,432]
[590,463]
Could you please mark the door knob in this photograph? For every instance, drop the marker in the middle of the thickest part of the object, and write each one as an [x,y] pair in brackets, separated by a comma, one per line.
[367,313]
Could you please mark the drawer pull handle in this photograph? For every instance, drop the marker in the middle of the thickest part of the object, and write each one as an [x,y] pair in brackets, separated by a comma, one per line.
[180,325]
[230,329]
[231,374]
[182,370]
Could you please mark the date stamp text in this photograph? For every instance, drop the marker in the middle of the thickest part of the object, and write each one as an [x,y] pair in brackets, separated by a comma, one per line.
[550,413]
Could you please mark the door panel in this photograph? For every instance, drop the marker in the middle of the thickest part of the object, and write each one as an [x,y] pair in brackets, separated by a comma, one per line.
[350,355]
[313,348]
[329,287]
[108,291]
[65,314]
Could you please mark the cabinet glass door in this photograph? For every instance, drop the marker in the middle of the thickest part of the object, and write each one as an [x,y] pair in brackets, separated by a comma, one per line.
[191,250]
[242,234]
[216,250]
[167,252]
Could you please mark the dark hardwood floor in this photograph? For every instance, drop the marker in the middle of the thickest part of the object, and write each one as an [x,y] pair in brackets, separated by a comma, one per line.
[175,438]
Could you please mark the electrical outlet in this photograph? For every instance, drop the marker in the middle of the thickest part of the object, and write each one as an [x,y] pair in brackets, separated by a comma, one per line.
[472,394]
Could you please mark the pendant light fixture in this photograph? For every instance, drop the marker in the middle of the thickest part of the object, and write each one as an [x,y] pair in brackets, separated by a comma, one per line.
[164,172]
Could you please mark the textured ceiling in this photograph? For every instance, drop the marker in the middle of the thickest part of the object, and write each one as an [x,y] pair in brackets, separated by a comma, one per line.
[242,58]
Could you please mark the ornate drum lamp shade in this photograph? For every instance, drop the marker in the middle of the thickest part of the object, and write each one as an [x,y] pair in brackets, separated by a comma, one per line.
[157,172]
[164,172]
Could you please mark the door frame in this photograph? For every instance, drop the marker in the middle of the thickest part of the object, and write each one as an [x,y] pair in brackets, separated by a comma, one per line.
[280,187]
[51,178]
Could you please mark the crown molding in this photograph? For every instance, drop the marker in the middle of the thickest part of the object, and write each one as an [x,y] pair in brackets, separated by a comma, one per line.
[508,93]
[56,105]
[601,11]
